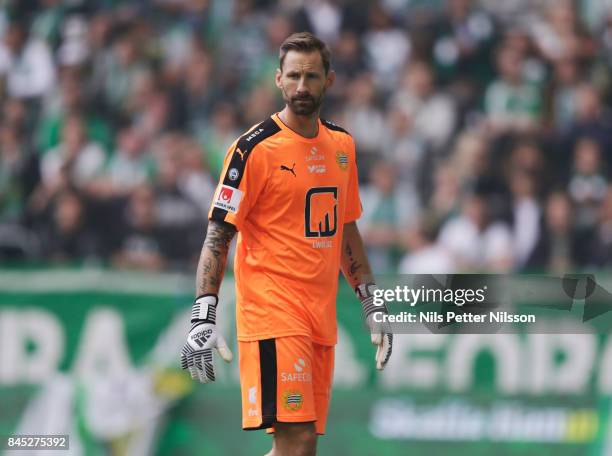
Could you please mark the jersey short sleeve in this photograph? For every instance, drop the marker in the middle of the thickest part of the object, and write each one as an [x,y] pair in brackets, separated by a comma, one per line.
[239,187]
[353,203]
[243,177]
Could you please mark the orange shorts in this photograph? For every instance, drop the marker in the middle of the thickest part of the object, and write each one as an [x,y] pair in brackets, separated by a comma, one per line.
[287,380]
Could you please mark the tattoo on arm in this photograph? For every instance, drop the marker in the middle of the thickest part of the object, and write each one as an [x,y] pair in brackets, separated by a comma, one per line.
[353,268]
[354,262]
[213,257]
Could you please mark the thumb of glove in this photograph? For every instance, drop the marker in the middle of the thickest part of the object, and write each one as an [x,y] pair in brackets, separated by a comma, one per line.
[223,349]
[377,338]
[382,353]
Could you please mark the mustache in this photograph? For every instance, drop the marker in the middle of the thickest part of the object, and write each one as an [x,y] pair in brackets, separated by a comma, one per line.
[303,98]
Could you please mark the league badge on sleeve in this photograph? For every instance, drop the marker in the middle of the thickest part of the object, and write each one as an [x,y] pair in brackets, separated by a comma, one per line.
[228,199]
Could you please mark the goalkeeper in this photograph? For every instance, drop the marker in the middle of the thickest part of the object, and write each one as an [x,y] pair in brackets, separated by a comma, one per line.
[289,188]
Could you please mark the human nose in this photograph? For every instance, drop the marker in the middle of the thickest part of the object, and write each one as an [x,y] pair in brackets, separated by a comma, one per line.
[302,88]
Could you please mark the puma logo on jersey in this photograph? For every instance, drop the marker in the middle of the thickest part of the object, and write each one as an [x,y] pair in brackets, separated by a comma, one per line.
[239,152]
[291,170]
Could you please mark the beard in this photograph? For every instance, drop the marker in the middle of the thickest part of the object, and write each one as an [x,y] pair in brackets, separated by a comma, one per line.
[304,105]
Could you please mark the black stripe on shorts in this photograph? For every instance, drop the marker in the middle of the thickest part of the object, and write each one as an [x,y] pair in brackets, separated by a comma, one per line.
[268,372]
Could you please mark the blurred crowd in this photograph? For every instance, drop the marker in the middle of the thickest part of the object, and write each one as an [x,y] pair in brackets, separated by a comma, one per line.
[483,128]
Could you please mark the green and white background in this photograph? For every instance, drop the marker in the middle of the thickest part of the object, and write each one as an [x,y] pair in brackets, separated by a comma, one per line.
[93,354]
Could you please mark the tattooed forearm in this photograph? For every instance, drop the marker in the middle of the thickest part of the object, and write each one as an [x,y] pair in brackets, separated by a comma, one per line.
[354,268]
[213,257]
[348,250]
[218,237]
[354,261]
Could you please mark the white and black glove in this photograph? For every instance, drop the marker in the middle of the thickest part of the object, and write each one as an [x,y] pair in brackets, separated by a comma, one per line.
[380,332]
[196,354]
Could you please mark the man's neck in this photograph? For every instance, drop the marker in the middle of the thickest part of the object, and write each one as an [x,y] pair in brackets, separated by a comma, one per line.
[307,126]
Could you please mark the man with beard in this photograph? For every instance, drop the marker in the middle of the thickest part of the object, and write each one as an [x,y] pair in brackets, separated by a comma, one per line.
[289,187]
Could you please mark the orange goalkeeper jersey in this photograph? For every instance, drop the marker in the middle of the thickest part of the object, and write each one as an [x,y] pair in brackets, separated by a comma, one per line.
[289,197]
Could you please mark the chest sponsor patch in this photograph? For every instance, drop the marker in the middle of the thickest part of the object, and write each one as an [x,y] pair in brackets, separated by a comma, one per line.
[228,199]
[317,169]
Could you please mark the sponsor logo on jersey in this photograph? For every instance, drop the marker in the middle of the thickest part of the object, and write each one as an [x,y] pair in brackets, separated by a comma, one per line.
[253,395]
[322,244]
[314,155]
[293,400]
[317,169]
[254,134]
[239,152]
[228,199]
[321,212]
[342,160]
[299,375]
[233,174]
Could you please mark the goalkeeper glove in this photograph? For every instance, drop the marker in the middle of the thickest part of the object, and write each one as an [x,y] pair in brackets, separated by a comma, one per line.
[380,332]
[196,354]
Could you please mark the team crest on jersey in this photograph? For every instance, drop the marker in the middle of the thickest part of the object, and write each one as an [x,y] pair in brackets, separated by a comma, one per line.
[342,160]
[293,400]
[228,199]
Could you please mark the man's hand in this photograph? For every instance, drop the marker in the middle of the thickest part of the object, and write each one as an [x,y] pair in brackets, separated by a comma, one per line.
[196,354]
[380,332]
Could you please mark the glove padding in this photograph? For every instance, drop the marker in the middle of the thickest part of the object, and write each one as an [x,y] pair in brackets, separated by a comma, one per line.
[380,332]
[196,354]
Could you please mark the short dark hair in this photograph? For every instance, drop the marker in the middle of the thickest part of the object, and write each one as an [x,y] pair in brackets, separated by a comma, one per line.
[305,42]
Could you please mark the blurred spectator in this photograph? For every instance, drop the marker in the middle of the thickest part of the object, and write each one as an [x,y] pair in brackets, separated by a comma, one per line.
[128,168]
[512,104]
[601,247]
[431,113]
[469,159]
[388,208]
[587,186]
[464,36]
[118,70]
[74,163]
[195,98]
[364,120]
[425,256]
[68,238]
[176,213]
[26,63]
[19,173]
[70,100]
[46,24]
[142,243]
[195,179]
[559,244]
[321,17]
[387,48]
[526,155]
[477,242]
[445,198]
[403,147]
[592,120]
[560,35]
[76,158]
[223,129]
[527,220]
[564,92]
[348,62]
[262,101]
